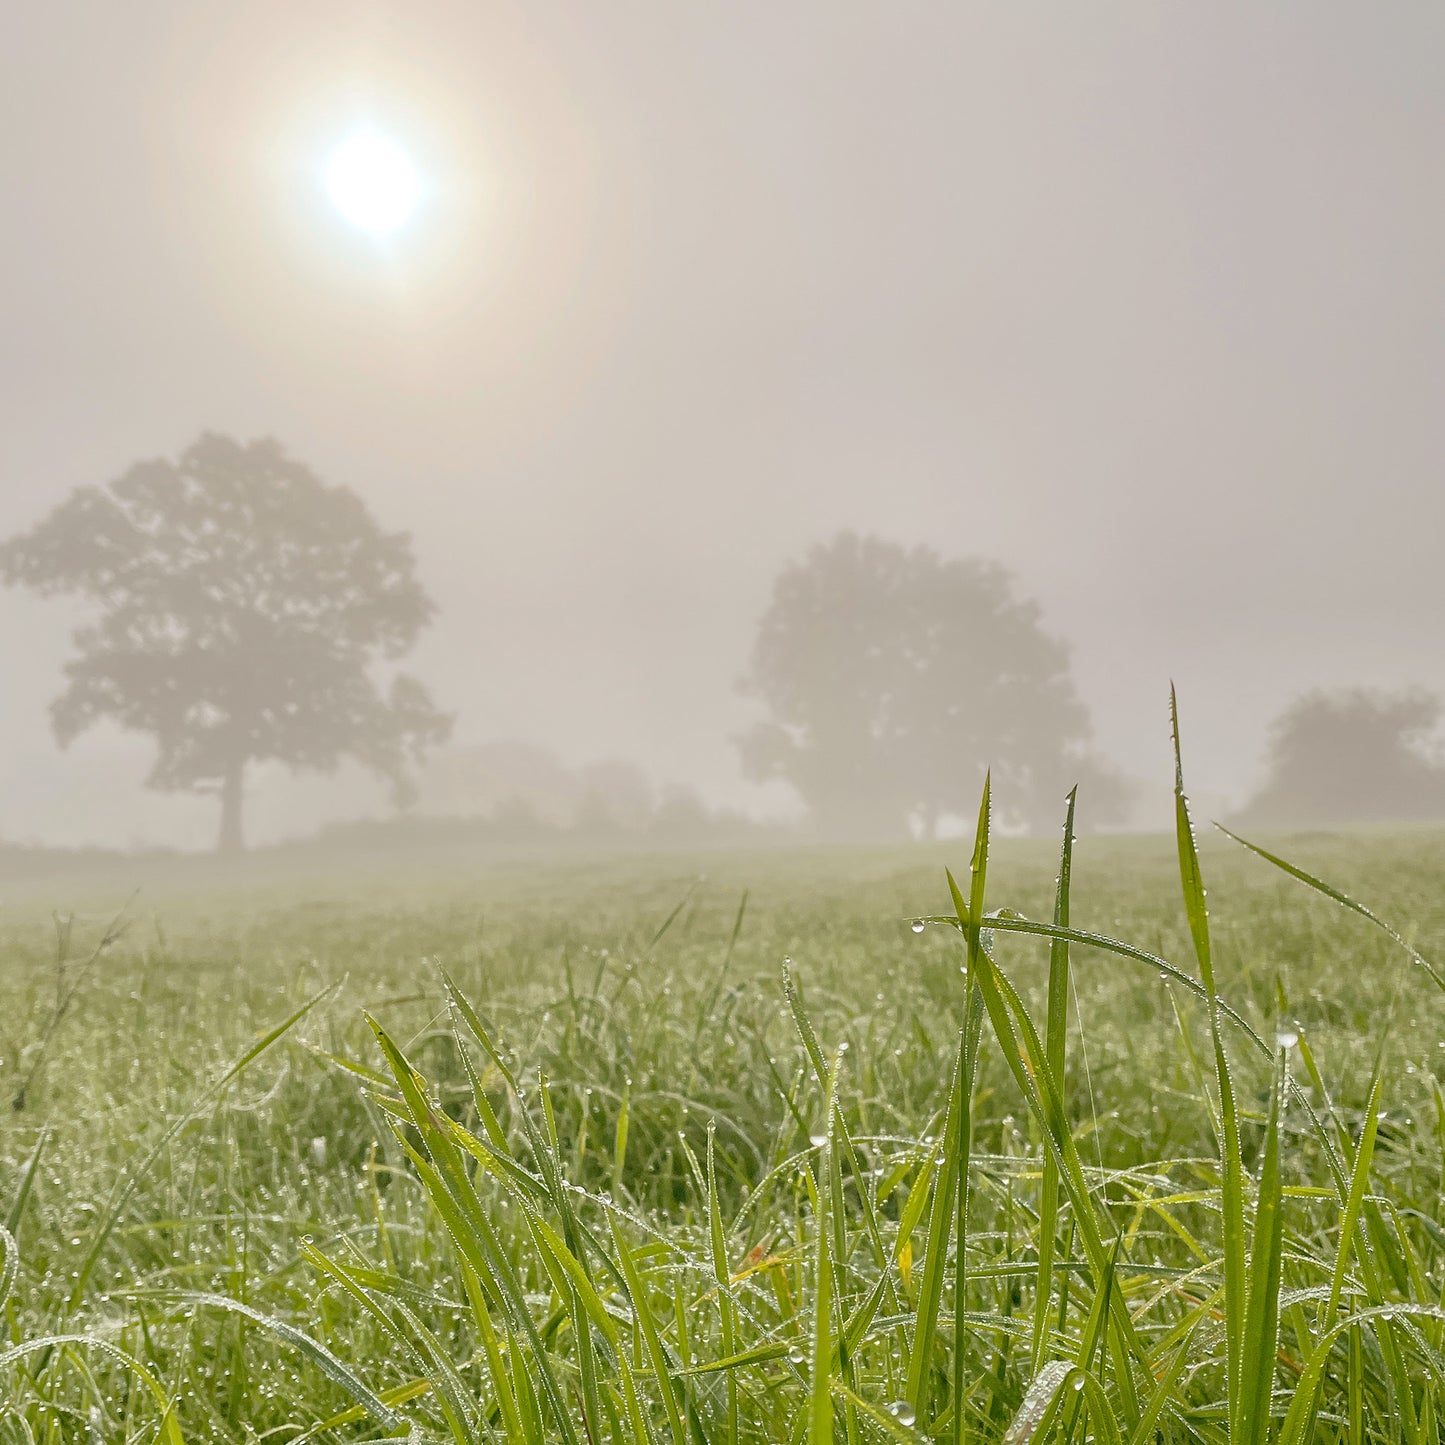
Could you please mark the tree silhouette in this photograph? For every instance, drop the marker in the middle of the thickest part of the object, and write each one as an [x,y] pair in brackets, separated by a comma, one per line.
[895,677]
[1352,756]
[243,605]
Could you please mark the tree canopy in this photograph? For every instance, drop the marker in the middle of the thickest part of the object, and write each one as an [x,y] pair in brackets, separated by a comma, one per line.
[894,677]
[242,606]
[1352,756]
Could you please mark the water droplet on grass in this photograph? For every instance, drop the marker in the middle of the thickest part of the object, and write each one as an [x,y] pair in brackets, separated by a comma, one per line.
[918,925]
[903,1412]
[817,1140]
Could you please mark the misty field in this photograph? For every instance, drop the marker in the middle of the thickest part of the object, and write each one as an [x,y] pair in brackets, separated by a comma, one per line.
[729,1211]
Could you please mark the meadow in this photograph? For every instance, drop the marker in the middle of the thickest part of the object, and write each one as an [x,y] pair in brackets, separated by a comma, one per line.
[729,1147]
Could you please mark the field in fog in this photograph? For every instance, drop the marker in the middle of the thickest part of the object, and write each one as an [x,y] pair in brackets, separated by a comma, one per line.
[687,1241]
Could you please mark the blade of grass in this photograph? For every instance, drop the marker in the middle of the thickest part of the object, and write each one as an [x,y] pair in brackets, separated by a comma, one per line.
[820,1392]
[1055,1046]
[27,1180]
[1230,1153]
[651,1337]
[1261,1323]
[722,1278]
[1343,899]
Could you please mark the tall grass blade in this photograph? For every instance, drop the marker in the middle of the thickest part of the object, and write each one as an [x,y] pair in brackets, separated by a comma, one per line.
[652,1338]
[27,1181]
[1231,1159]
[1343,899]
[1055,1048]
[1261,1324]
[940,1223]
[9,1264]
[1039,1409]
[820,1391]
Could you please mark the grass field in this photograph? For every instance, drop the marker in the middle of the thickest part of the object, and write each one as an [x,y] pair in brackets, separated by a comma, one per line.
[731,1212]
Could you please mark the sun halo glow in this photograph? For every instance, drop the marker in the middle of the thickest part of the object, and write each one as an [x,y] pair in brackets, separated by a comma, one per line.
[373,183]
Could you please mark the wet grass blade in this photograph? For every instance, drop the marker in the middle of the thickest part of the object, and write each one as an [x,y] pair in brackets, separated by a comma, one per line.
[1055,1048]
[1231,1160]
[9,1264]
[820,1390]
[959,1161]
[651,1336]
[27,1182]
[1343,899]
[709,1004]
[940,1223]
[722,1278]
[1039,1409]
[1261,1323]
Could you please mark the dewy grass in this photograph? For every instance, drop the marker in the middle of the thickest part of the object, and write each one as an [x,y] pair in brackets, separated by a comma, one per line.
[676,1190]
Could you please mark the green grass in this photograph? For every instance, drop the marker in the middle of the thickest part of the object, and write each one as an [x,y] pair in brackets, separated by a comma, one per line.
[620,1152]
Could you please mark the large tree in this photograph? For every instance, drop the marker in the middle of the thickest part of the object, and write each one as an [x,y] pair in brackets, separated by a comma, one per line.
[242,609]
[1352,756]
[895,676]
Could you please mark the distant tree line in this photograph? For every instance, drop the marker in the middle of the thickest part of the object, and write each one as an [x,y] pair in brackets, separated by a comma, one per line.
[244,611]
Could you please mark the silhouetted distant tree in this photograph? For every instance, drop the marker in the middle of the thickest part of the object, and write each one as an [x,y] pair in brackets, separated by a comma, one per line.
[1352,756]
[242,607]
[895,677]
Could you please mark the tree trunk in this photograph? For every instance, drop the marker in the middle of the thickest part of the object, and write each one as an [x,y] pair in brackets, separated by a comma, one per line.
[232,797]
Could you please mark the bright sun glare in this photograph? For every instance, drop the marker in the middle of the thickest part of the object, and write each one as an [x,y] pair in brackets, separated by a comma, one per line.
[372,183]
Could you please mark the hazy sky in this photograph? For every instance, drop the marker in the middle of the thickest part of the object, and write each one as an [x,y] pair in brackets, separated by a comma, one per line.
[1146,301]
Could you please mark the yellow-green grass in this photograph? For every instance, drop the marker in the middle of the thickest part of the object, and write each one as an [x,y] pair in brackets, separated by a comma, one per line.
[732,1212]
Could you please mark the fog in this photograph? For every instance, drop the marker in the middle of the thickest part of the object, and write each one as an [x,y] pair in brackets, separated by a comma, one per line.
[1143,303]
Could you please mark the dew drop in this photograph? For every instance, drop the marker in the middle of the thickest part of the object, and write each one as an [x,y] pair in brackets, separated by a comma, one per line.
[918,925]
[903,1412]
[1287,1037]
[1078,1382]
[817,1140]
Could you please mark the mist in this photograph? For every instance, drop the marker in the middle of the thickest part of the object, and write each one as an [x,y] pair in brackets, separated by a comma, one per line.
[1143,306]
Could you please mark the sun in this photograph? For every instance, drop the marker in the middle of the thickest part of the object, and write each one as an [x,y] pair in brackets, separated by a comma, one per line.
[373,183]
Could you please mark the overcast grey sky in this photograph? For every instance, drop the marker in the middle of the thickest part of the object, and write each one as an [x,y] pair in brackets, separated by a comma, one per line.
[1146,301]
